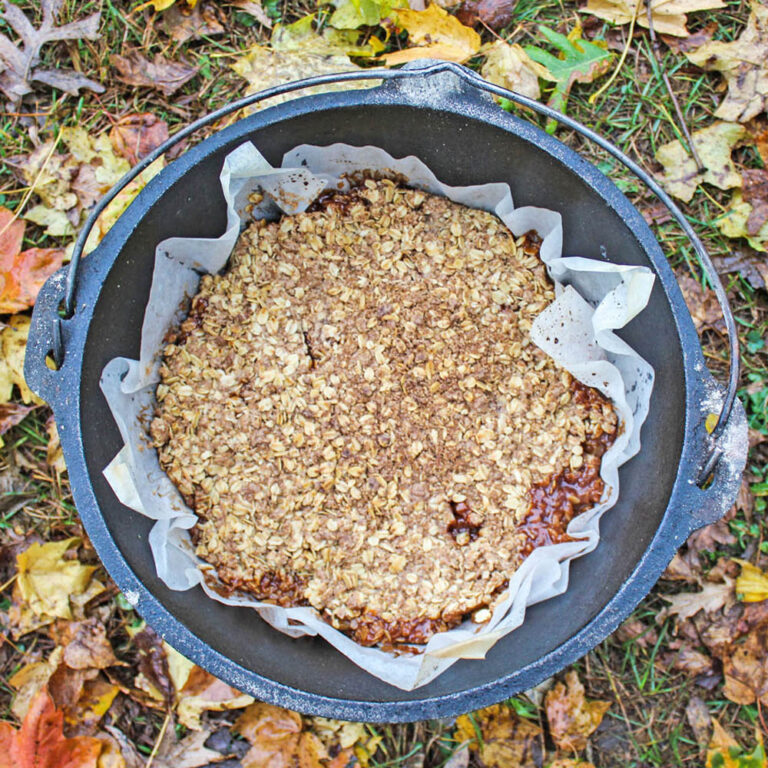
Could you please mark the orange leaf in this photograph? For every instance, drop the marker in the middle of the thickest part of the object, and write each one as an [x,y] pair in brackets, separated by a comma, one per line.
[273,733]
[11,236]
[40,742]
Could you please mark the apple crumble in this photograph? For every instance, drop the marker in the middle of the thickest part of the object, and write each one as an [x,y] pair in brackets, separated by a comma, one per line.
[357,415]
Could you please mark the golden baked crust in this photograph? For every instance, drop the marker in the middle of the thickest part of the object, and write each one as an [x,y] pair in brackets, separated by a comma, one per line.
[357,415]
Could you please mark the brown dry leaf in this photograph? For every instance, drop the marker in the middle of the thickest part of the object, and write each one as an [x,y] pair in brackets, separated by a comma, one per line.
[758,132]
[712,536]
[182,23]
[635,630]
[189,752]
[511,67]
[702,304]
[695,40]
[264,68]
[31,679]
[22,273]
[682,569]
[689,660]
[11,414]
[154,676]
[572,718]
[13,346]
[699,719]
[754,190]
[746,669]
[443,36]
[273,733]
[507,740]
[752,584]
[161,75]
[567,762]
[714,145]
[135,136]
[743,65]
[255,9]
[202,692]
[40,742]
[669,16]
[119,751]
[85,644]
[711,598]
[19,66]
[495,14]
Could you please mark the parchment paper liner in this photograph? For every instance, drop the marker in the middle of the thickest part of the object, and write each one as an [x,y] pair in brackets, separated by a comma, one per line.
[592,299]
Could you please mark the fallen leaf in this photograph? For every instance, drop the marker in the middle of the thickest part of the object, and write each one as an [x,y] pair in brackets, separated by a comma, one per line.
[22,273]
[56,223]
[160,74]
[634,630]
[699,719]
[40,742]
[443,36]
[578,61]
[714,145]
[711,598]
[302,37]
[21,64]
[202,692]
[747,262]
[511,67]
[669,16]
[85,644]
[689,660]
[54,454]
[351,14]
[752,583]
[742,64]
[189,752]
[702,304]
[695,40]
[255,9]
[13,347]
[11,414]
[182,23]
[567,762]
[572,718]
[135,136]
[118,742]
[735,222]
[746,669]
[273,733]
[30,680]
[683,569]
[725,752]
[758,132]
[46,580]
[754,191]
[507,739]
[154,676]
[494,14]
[264,68]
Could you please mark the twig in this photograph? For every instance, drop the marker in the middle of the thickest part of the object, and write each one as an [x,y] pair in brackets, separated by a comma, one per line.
[159,740]
[665,78]
[596,95]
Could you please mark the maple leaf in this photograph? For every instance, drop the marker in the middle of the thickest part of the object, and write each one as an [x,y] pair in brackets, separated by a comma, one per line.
[21,63]
[572,718]
[743,65]
[669,16]
[752,584]
[40,742]
[511,67]
[445,37]
[22,273]
[714,145]
[506,738]
[579,61]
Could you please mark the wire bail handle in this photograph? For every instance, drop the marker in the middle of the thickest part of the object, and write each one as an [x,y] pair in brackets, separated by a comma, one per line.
[418,71]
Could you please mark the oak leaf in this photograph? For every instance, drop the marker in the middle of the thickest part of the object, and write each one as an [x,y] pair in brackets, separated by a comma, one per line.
[21,68]
[505,739]
[40,742]
[714,145]
[743,65]
[572,717]
[435,34]
[511,67]
[22,273]
[669,16]
[711,598]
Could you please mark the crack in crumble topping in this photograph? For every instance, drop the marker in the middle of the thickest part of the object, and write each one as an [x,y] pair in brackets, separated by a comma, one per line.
[357,415]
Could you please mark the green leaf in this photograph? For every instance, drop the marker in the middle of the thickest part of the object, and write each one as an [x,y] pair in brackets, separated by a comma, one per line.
[351,14]
[578,61]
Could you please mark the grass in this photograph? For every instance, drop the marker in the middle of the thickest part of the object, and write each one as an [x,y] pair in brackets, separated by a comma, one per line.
[647,724]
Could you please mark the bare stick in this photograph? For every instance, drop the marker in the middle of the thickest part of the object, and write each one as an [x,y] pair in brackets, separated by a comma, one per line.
[665,77]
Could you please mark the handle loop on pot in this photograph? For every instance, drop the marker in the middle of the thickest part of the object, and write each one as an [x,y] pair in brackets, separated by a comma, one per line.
[420,70]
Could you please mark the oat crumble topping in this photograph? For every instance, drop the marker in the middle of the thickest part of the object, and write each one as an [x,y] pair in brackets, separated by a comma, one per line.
[358,417]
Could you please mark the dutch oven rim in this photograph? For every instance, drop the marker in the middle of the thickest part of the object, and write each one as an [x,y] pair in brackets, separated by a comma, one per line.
[688,506]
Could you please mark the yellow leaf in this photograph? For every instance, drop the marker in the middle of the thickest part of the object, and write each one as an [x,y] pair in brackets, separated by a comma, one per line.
[444,36]
[13,344]
[572,717]
[159,5]
[668,15]
[46,580]
[714,145]
[56,223]
[301,36]
[30,679]
[511,67]
[752,583]
[733,223]
[711,422]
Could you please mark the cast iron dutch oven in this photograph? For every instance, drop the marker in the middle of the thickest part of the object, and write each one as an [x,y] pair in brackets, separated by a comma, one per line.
[683,478]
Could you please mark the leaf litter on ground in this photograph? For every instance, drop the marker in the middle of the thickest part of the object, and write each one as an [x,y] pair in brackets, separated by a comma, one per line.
[572,717]
[669,16]
[21,68]
[511,67]
[159,73]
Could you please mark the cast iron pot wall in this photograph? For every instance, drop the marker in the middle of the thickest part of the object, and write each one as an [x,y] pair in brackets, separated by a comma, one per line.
[465,139]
